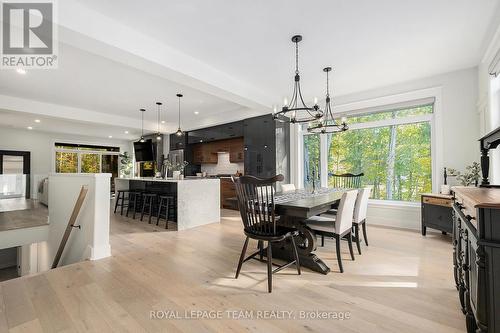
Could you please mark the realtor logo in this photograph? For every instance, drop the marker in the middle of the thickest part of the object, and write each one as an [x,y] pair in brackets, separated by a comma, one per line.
[28,35]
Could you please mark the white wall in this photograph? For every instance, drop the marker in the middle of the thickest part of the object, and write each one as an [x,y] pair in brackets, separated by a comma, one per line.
[41,145]
[489,113]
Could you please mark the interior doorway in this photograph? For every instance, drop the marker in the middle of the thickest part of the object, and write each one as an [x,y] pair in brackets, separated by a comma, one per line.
[15,172]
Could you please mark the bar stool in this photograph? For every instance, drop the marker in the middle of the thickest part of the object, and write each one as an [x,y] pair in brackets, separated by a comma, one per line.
[166,202]
[120,200]
[148,200]
[134,201]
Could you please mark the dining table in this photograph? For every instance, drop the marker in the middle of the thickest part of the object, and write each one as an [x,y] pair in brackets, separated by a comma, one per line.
[294,208]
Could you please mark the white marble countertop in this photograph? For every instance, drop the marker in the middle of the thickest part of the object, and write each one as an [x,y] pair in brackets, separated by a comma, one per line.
[168,180]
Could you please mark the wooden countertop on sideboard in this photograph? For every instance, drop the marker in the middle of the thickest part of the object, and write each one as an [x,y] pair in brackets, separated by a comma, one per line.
[479,197]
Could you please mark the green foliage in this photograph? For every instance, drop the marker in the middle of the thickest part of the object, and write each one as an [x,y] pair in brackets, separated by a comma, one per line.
[471,176]
[367,151]
[125,164]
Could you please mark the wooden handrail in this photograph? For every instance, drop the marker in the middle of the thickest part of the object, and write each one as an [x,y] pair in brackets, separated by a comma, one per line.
[71,224]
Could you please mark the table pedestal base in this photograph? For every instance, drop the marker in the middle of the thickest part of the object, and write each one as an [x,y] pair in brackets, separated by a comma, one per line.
[308,260]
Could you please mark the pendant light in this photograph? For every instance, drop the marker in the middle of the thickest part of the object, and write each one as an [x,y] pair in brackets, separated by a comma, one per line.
[142,125]
[179,131]
[297,111]
[327,124]
[158,134]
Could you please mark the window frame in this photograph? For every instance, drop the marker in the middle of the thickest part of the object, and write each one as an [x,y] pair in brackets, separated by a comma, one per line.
[79,153]
[379,103]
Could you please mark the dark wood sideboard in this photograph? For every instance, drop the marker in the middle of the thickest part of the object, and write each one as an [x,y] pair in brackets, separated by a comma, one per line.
[436,212]
[476,256]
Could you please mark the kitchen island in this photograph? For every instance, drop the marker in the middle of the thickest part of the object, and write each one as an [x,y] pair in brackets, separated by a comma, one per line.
[197,199]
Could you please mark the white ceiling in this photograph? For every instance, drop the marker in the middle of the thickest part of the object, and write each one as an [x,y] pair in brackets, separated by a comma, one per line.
[368,43]
[244,51]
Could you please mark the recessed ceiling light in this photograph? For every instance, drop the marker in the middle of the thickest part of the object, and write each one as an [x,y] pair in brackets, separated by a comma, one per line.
[197,112]
[126,132]
[163,121]
[21,71]
[110,136]
[29,127]
[37,120]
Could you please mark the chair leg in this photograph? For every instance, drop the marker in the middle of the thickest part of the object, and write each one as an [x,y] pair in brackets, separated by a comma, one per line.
[136,202]
[339,258]
[349,241]
[143,207]
[159,212]
[151,201]
[356,234]
[242,257]
[269,268]
[364,233]
[322,240]
[296,254]
[260,245]
[116,202]
[123,201]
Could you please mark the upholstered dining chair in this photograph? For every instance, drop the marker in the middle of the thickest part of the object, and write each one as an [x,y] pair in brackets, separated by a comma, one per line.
[359,218]
[257,210]
[337,226]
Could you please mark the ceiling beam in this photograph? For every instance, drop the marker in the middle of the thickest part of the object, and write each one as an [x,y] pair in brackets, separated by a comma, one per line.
[114,40]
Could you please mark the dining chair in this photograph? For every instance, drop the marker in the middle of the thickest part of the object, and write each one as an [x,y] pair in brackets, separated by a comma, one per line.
[346,180]
[359,218]
[337,226]
[287,188]
[360,215]
[257,210]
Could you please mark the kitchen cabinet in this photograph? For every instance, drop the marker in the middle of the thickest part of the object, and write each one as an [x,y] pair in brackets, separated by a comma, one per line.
[216,133]
[227,191]
[206,153]
[260,146]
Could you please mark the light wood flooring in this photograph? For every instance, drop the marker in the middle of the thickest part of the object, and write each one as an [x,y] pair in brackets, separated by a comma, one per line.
[403,282]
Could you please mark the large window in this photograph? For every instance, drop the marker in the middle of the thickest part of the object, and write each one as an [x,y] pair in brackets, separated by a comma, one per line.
[311,160]
[392,147]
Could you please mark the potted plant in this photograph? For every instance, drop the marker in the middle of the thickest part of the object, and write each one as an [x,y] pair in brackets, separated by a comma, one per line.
[470,177]
[176,167]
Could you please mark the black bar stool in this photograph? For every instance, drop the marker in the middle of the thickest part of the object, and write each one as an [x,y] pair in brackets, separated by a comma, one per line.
[166,202]
[148,200]
[134,201]
[120,200]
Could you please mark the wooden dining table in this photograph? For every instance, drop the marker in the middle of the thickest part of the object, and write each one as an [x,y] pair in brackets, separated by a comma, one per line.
[294,208]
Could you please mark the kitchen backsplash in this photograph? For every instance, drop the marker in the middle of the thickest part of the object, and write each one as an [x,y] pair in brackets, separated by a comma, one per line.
[223,166]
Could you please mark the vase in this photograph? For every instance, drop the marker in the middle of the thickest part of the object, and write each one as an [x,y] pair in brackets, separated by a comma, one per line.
[176,174]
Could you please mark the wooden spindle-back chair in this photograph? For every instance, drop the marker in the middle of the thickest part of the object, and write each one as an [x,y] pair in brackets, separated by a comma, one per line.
[346,180]
[257,210]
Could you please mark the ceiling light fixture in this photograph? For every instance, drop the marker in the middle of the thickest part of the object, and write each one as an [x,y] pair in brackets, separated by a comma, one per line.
[126,132]
[297,111]
[179,131]
[196,112]
[37,120]
[110,136]
[158,134]
[21,71]
[142,125]
[29,127]
[327,123]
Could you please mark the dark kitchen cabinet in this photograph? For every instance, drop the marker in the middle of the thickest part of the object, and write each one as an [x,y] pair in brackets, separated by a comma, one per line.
[216,133]
[260,146]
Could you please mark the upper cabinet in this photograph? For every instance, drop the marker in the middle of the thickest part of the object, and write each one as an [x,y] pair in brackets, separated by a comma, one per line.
[206,152]
[216,133]
[260,146]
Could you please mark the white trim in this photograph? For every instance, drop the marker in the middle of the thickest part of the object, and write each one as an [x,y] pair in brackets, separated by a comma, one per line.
[323,160]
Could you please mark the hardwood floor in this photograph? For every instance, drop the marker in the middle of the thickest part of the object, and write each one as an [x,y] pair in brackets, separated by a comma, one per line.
[403,282]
